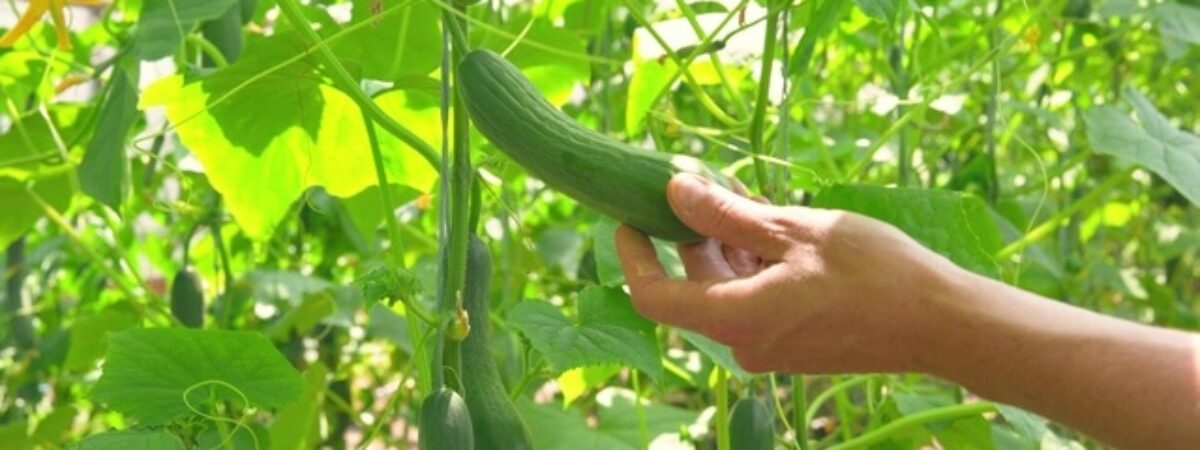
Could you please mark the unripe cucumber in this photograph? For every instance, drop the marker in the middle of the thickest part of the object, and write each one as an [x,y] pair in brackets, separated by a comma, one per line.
[495,420]
[187,299]
[751,426]
[445,422]
[626,183]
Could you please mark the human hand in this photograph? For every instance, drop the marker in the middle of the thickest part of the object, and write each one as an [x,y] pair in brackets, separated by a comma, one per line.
[791,289]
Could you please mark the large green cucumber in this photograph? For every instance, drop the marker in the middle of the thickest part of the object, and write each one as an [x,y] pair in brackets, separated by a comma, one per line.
[445,422]
[187,299]
[751,426]
[626,183]
[495,420]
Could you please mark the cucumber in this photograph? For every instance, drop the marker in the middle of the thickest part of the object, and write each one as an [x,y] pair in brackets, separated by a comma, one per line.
[751,426]
[445,422]
[496,421]
[187,299]
[626,183]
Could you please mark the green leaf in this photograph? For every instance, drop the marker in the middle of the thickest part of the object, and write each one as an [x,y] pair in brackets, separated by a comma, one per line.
[53,428]
[1178,21]
[89,336]
[1151,141]
[296,427]
[15,435]
[824,18]
[885,10]
[956,225]
[104,168]
[410,45]
[555,428]
[148,372]
[20,73]
[719,353]
[163,24]
[609,332]
[277,136]
[131,440]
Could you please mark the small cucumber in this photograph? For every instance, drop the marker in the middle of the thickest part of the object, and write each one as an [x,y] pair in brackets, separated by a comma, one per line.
[496,421]
[626,183]
[445,422]
[751,426]
[187,299]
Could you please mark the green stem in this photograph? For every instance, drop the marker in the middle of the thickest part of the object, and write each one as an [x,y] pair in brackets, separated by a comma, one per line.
[209,50]
[827,394]
[1054,222]
[643,428]
[343,80]
[799,421]
[758,119]
[722,416]
[904,423]
[993,188]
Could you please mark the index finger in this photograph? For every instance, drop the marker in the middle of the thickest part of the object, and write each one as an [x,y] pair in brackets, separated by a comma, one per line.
[681,303]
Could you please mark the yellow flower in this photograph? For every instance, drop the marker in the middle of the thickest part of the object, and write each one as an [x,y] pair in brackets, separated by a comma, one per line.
[35,11]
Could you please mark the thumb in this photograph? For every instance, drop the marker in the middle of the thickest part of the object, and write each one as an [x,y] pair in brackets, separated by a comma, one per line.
[718,213]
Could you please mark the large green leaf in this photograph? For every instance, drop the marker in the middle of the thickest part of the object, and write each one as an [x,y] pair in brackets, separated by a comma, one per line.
[149,371]
[278,134]
[89,336]
[609,332]
[296,426]
[131,440]
[104,168]
[407,42]
[951,223]
[164,23]
[1151,141]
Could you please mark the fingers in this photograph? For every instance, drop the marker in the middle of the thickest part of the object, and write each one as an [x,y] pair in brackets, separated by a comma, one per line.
[719,213]
[682,303]
[705,260]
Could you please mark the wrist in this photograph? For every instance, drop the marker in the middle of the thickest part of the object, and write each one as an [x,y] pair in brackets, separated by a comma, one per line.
[950,320]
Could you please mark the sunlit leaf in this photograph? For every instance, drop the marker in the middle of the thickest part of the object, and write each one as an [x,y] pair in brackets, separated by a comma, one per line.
[410,45]
[276,136]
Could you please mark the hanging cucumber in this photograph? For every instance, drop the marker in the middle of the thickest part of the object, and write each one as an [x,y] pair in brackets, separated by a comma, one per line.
[626,183]
[496,422]
[445,422]
[187,299]
[751,426]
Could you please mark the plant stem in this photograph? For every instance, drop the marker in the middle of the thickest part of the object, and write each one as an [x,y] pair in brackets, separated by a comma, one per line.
[643,428]
[758,119]
[993,188]
[799,420]
[904,423]
[722,416]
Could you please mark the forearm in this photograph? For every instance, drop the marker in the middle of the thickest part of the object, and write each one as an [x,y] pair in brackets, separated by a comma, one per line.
[1131,385]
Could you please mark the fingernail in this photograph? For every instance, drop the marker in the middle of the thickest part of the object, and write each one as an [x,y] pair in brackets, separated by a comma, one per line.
[688,191]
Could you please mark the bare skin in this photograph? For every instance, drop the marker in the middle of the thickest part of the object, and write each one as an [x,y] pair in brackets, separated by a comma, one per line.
[803,290]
